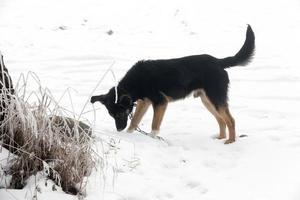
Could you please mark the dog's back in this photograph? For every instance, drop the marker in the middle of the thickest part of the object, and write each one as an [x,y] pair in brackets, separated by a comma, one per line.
[177,78]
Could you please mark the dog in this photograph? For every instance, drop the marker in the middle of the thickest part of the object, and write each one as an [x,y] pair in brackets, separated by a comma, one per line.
[159,82]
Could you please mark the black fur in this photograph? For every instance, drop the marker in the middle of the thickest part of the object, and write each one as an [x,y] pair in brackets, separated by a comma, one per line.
[175,78]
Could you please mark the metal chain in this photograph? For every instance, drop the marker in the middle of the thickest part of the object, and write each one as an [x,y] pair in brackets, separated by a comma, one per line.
[138,129]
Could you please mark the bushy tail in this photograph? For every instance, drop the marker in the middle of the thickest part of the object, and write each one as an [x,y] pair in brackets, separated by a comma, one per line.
[246,53]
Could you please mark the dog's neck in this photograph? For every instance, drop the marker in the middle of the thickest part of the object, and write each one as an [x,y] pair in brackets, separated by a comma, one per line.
[130,86]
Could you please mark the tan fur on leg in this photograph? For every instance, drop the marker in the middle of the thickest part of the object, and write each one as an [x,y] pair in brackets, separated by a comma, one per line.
[229,120]
[159,111]
[212,109]
[141,108]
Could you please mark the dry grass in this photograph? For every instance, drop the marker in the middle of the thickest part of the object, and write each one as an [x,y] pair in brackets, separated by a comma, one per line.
[45,137]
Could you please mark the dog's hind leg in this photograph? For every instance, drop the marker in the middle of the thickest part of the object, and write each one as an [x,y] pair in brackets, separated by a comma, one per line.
[230,122]
[141,108]
[212,109]
[159,111]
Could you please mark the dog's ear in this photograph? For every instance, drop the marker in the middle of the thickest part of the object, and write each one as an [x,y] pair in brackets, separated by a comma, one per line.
[101,98]
[125,101]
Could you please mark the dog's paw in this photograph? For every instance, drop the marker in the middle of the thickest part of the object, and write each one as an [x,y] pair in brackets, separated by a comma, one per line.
[130,130]
[154,133]
[220,137]
[229,141]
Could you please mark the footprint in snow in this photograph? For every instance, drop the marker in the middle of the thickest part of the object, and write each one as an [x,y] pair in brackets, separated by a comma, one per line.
[196,185]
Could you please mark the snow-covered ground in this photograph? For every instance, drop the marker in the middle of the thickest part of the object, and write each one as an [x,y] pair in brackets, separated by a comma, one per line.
[66,42]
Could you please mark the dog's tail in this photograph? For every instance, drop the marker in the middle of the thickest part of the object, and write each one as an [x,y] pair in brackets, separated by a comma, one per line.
[246,53]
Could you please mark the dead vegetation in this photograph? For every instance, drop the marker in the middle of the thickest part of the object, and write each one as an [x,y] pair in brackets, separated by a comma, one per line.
[43,136]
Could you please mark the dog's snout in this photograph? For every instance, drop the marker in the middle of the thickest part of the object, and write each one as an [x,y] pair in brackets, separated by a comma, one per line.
[93,99]
[121,123]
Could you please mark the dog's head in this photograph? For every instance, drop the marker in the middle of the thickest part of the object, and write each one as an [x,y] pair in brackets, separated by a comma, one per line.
[118,110]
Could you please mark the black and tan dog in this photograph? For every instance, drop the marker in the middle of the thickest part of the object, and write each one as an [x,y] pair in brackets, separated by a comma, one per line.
[158,82]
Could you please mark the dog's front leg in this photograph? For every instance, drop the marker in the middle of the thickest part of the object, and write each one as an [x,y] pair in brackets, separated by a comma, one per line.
[141,108]
[159,111]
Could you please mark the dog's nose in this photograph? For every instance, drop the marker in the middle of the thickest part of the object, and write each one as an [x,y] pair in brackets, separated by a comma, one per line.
[93,99]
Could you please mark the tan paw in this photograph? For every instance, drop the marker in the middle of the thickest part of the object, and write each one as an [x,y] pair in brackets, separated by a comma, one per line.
[220,137]
[229,141]
[155,132]
[130,130]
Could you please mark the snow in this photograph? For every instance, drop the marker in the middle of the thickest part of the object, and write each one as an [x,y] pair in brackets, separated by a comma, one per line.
[66,43]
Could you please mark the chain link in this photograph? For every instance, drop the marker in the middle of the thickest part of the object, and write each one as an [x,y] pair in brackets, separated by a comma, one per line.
[138,129]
